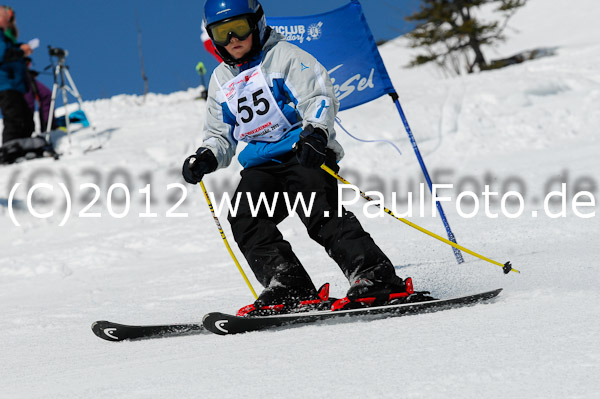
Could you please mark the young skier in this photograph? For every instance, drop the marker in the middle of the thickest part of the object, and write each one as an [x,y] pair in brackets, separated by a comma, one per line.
[280,101]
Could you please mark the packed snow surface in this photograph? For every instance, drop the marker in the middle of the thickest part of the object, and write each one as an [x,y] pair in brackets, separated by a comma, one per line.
[525,128]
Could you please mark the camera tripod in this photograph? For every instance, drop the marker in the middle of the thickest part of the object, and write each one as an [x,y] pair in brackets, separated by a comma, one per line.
[63,82]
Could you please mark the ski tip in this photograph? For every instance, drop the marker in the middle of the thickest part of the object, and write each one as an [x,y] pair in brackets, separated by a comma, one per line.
[484,296]
[105,330]
[100,324]
[216,323]
[493,294]
[97,325]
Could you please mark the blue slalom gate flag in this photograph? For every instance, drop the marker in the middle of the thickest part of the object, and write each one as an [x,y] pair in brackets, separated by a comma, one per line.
[342,41]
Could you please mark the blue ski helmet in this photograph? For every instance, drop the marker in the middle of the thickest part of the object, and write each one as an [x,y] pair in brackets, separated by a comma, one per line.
[221,11]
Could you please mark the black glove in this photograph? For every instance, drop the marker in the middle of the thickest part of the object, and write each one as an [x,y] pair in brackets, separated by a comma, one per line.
[197,165]
[310,149]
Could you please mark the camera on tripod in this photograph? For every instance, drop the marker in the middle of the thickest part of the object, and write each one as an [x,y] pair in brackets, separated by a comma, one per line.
[63,82]
[57,52]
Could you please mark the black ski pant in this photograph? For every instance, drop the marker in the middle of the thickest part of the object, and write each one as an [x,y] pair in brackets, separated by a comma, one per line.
[17,117]
[270,256]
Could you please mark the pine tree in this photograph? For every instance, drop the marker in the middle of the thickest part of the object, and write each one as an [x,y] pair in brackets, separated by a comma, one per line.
[453,37]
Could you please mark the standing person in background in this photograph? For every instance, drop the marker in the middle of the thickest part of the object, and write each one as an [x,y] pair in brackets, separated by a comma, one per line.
[37,91]
[17,117]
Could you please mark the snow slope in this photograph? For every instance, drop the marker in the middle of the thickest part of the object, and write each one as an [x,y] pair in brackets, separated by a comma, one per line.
[528,127]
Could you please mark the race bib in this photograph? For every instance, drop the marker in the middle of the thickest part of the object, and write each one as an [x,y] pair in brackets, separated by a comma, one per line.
[257,115]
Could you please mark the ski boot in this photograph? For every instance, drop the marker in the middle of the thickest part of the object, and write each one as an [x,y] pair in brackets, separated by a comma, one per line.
[365,292]
[280,300]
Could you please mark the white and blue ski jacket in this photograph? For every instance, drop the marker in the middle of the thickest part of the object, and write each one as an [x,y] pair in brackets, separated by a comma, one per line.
[302,89]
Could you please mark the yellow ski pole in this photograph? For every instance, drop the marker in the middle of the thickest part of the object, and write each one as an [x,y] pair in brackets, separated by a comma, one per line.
[225,240]
[507,267]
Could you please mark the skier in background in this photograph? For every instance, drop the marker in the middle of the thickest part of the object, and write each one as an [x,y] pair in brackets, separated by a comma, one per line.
[277,98]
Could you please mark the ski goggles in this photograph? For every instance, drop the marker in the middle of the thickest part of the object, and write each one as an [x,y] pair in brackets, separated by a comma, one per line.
[221,33]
